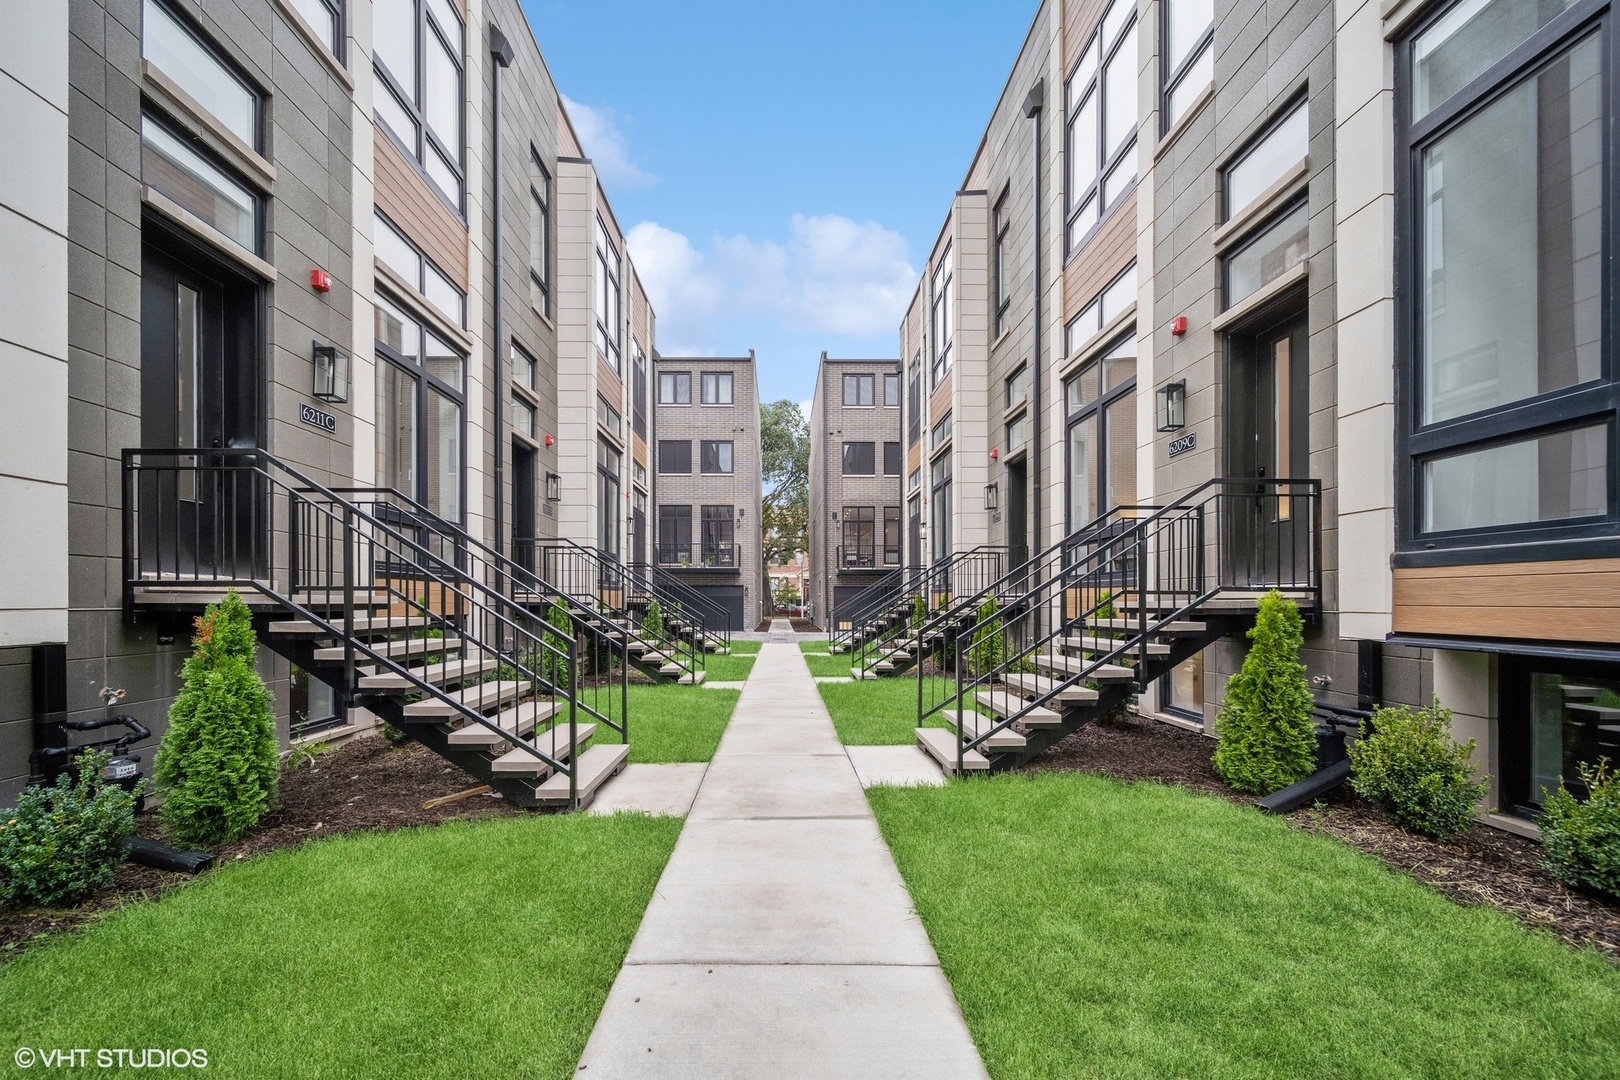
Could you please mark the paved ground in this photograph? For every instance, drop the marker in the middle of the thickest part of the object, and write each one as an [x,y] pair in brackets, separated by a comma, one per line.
[899,766]
[781,941]
[652,789]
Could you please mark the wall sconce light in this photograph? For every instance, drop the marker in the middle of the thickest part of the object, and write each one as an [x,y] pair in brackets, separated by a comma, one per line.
[553,487]
[331,373]
[992,496]
[739,513]
[1173,405]
[835,517]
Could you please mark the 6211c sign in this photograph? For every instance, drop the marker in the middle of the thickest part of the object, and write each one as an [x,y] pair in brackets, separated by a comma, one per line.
[314,417]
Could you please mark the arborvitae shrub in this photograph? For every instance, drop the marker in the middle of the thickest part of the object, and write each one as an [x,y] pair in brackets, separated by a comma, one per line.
[1267,737]
[919,611]
[652,623]
[1405,762]
[988,646]
[218,764]
[61,843]
[1581,840]
[560,627]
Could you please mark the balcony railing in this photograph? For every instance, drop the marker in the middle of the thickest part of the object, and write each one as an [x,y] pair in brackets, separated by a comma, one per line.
[867,557]
[721,555]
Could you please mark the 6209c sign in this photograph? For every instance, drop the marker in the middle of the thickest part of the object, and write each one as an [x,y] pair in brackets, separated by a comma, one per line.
[314,417]
[1183,443]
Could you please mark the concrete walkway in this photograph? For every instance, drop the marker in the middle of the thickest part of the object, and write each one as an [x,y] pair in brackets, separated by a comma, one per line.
[781,941]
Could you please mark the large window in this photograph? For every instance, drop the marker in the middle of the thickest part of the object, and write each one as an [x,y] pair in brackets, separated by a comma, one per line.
[539,234]
[1000,226]
[941,306]
[417,47]
[609,466]
[170,46]
[858,390]
[1100,123]
[1188,55]
[717,388]
[719,536]
[638,388]
[325,17]
[1510,429]
[675,535]
[1100,410]
[420,408]
[608,270]
[178,168]
[418,271]
[1104,308]
[859,459]
[939,505]
[674,457]
[675,388]
[859,548]
[914,401]
[717,456]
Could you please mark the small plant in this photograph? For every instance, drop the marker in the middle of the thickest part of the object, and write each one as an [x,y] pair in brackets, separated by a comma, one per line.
[1267,736]
[1405,762]
[988,646]
[217,764]
[1581,840]
[919,611]
[395,736]
[652,623]
[1105,606]
[59,844]
[560,629]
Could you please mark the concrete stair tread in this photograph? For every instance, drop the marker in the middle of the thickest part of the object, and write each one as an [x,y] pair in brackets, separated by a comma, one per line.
[365,624]
[596,767]
[553,741]
[976,724]
[455,670]
[396,649]
[1035,685]
[1003,703]
[1076,665]
[519,720]
[693,678]
[1105,645]
[940,744]
[483,696]
[1178,626]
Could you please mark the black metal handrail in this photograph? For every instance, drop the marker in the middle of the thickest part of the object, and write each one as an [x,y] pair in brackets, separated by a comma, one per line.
[717,555]
[713,622]
[958,573]
[329,553]
[596,578]
[1149,564]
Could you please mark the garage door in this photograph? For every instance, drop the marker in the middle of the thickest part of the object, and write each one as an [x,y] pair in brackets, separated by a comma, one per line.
[727,600]
[843,601]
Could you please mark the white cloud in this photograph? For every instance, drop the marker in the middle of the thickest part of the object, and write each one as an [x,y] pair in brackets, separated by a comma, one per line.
[832,275]
[605,143]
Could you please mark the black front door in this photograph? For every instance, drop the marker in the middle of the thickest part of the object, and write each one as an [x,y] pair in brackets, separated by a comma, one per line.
[523,503]
[199,392]
[1267,528]
[1017,514]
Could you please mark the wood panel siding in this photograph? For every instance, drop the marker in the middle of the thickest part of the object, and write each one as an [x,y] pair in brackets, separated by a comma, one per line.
[1571,600]
[640,313]
[1110,250]
[608,383]
[914,457]
[405,197]
[638,449]
[1080,18]
[567,141]
[939,402]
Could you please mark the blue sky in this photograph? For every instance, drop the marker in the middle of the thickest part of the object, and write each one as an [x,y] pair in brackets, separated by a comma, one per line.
[782,168]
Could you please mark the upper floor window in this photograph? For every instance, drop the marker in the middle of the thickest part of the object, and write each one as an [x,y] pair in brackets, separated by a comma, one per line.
[891,391]
[891,459]
[914,401]
[609,418]
[607,299]
[675,388]
[717,455]
[539,234]
[940,317]
[417,47]
[1000,226]
[1100,125]
[674,456]
[717,388]
[1105,307]
[1274,251]
[859,459]
[1188,55]
[1017,386]
[419,272]
[857,390]
[525,371]
[638,388]
[1510,430]
[1279,148]
[325,17]
[174,49]
[177,168]
[941,433]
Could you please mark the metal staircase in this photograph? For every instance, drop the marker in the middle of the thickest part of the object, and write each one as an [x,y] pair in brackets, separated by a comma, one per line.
[1080,628]
[410,620]
[882,639]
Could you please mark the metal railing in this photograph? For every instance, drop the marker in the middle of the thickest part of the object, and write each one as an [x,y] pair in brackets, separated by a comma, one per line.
[961,572]
[597,579]
[1042,633]
[718,555]
[713,622]
[240,518]
[865,557]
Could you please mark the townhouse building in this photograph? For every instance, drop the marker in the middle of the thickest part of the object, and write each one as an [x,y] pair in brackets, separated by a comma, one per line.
[855,484]
[349,246]
[707,487]
[1208,250]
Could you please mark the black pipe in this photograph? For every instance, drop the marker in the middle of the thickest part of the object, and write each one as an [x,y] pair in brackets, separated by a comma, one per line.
[1298,794]
[500,51]
[138,849]
[1033,106]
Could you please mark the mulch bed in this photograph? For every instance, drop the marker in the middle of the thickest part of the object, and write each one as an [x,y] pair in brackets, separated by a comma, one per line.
[365,784]
[1483,865]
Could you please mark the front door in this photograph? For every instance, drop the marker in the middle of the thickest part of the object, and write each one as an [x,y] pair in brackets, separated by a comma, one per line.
[1267,527]
[523,503]
[1017,514]
[199,392]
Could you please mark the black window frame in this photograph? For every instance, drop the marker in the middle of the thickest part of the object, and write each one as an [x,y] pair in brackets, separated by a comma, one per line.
[870,458]
[418,370]
[718,535]
[1000,228]
[1170,79]
[683,457]
[891,380]
[638,389]
[714,445]
[540,205]
[1584,405]
[426,24]
[1097,407]
[1074,201]
[893,462]
[1515,729]
[339,30]
[169,127]
[609,340]
[940,335]
[858,538]
[914,401]
[941,477]
[726,378]
[674,533]
[235,70]
[893,536]
[866,383]
[675,381]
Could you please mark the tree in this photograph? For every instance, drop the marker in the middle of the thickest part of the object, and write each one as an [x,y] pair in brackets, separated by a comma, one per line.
[784,439]
[1267,736]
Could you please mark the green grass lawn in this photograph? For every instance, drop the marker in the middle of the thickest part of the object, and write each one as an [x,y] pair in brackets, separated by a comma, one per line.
[673,722]
[466,949]
[733,668]
[808,647]
[745,648]
[1092,928]
[878,712]
[823,663]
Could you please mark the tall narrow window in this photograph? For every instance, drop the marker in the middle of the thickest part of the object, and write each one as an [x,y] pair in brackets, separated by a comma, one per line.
[638,388]
[325,17]
[609,462]
[891,391]
[860,538]
[1188,55]
[939,506]
[1000,226]
[417,51]
[539,234]
[940,315]
[891,459]
[608,268]
[420,407]
[1100,123]
[719,536]
[174,49]
[914,402]
[675,535]
[891,536]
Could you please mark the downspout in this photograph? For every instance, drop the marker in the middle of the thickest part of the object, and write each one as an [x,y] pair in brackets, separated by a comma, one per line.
[1032,109]
[500,51]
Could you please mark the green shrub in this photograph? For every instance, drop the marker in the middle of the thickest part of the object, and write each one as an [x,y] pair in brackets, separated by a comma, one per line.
[652,623]
[59,844]
[560,628]
[988,646]
[217,765]
[1408,766]
[919,611]
[1267,737]
[1581,840]
[395,736]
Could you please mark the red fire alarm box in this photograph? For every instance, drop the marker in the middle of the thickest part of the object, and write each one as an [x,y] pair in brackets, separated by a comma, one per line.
[320,280]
